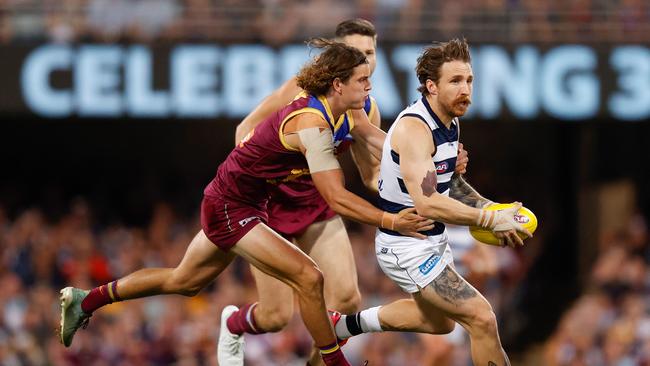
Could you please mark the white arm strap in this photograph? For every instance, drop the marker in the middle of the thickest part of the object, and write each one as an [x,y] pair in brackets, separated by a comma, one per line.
[319,149]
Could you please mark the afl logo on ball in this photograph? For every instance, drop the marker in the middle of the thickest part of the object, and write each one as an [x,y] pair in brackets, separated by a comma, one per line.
[521,219]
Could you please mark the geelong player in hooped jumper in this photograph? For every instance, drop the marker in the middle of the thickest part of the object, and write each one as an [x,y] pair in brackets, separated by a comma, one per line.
[417,170]
[295,141]
[298,212]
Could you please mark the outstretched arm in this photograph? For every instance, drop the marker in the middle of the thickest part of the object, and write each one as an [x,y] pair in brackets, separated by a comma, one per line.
[412,140]
[276,100]
[314,139]
[366,162]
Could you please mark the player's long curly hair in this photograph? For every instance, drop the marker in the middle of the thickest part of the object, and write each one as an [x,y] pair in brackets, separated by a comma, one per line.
[429,64]
[337,60]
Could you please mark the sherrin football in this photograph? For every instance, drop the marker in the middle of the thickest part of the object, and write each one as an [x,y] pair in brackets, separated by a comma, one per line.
[524,216]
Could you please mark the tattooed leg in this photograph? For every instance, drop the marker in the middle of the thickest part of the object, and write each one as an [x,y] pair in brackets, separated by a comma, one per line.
[458,300]
[451,287]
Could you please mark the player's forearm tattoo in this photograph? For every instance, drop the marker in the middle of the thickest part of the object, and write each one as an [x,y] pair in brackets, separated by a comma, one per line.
[451,287]
[429,183]
[460,190]
[490,363]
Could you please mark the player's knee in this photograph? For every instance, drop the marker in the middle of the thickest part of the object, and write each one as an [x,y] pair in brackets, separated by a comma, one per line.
[444,327]
[310,279]
[347,302]
[484,320]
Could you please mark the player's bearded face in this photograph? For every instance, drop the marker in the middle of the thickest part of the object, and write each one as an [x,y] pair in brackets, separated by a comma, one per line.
[457,106]
[455,87]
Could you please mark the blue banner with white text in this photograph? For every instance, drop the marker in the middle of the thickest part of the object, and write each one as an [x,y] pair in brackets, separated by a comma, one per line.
[207,81]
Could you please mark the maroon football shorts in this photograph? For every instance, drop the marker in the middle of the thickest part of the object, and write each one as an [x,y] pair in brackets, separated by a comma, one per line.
[225,221]
[291,218]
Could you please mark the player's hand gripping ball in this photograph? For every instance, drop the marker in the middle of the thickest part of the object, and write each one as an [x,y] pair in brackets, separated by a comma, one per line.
[524,216]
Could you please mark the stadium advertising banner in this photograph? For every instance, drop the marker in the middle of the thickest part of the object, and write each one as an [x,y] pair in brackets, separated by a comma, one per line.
[205,81]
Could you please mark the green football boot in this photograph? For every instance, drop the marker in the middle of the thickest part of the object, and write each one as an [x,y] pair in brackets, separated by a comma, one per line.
[72,317]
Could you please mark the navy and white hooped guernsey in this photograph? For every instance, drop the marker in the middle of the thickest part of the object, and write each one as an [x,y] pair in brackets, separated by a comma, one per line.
[393,195]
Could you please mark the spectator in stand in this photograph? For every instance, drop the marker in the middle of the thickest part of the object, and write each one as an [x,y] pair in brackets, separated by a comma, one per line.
[279,21]
[610,324]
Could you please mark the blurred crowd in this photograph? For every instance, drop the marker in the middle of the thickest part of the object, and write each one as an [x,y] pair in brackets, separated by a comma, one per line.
[39,256]
[283,21]
[610,323]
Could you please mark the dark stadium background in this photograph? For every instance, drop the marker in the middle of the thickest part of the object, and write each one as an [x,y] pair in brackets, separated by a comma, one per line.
[124,166]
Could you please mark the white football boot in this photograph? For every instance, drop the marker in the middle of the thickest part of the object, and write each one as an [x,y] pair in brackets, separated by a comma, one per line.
[230,350]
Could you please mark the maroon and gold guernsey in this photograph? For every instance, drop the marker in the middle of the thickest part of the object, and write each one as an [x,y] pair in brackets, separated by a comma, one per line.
[258,169]
[296,204]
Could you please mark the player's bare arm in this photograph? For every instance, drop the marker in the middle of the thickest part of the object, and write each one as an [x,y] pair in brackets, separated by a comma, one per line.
[272,103]
[367,134]
[412,140]
[368,146]
[459,188]
[310,134]
[366,162]
[462,191]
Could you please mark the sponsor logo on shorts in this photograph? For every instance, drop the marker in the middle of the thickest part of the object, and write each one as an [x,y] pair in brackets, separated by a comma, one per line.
[245,221]
[384,250]
[428,265]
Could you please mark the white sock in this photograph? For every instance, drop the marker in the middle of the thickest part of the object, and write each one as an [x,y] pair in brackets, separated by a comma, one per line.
[366,321]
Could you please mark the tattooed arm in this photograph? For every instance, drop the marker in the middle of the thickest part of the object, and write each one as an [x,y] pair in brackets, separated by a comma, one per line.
[412,140]
[463,192]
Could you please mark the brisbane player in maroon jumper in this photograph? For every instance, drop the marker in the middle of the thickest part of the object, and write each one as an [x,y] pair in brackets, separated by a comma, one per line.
[294,141]
[298,212]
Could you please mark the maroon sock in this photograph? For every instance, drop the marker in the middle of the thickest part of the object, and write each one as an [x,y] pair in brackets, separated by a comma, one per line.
[333,356]
[100,296]
[243,321]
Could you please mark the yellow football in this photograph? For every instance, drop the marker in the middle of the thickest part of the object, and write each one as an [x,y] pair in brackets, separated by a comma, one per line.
[524,216]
